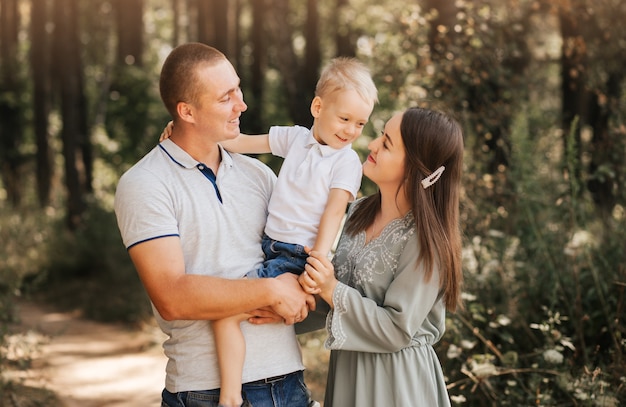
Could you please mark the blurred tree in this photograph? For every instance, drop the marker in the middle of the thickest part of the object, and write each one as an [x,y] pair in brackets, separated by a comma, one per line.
[592,77]
[69,76]
[129,93]
[130,31]
[217,23]
[496,80]
[575,94]
[11,111]
[299,74]
[441,25]
[258,66]
[345,41]
[40,63]
[313,55]
[176,16]
[204,21]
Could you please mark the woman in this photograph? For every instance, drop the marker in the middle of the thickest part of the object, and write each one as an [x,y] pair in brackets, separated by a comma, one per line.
[396,270]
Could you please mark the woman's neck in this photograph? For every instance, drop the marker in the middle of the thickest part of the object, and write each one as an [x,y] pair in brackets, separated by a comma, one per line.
[394,204]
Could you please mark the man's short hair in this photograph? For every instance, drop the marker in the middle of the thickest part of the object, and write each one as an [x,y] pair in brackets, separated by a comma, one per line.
[178,81]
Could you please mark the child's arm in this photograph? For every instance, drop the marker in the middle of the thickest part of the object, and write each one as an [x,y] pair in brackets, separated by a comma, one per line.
[327,233]
[248,144]
[331,219]
[244,143]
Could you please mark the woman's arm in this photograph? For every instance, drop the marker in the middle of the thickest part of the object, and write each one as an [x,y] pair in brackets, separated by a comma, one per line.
[358,323]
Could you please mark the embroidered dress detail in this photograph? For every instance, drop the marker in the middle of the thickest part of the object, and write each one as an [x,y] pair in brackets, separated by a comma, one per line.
[382,249]
[337,335]
[386,318]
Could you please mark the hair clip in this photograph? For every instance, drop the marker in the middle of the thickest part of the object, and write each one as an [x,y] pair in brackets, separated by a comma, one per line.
[432,178]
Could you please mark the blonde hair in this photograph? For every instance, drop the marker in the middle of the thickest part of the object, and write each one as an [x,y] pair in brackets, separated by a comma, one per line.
[347,74]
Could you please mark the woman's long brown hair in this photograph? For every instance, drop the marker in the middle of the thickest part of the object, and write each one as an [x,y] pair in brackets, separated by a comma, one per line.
[431,139]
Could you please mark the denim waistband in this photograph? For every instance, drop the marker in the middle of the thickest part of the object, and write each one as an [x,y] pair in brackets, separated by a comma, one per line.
[274,379]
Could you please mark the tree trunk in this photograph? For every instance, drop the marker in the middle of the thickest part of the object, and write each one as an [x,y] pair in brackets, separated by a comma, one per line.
[313,57]
[344,37]
[175,22]
[206,30]
[574,95]
[217,26]
[224,25]
[68,76]
[11,127]
[281,32]
[129,31]
[604,143]
[440,33]
[40,62]
[254,116]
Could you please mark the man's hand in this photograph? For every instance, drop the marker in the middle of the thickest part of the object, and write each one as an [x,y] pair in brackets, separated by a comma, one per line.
[292,304]
[264,316]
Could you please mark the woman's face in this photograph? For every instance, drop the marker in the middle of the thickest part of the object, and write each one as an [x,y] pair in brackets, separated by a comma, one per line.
[386,161]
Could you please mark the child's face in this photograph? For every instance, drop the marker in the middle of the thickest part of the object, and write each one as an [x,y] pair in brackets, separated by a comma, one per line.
[339,118]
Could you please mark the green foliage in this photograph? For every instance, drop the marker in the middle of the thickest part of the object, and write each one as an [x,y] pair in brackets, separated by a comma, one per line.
[90,270]
[544,291]
[135,115]
[22,233]
[545,273]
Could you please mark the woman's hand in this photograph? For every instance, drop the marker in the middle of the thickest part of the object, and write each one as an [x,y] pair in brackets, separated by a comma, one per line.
[167,131]
[319,275]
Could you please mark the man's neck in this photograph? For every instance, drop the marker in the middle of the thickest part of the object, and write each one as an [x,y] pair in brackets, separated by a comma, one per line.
[205,151]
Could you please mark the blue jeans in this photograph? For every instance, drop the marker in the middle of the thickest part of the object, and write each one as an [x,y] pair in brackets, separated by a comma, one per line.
[280,258]
[281,391]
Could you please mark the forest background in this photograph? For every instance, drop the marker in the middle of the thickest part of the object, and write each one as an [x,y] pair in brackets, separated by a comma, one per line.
[539,87]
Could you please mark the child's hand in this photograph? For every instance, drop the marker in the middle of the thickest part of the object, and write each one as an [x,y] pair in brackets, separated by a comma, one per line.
[320,274]
[167,131]
[307,284]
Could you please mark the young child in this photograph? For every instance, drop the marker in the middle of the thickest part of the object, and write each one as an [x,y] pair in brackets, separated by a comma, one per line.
[320,174]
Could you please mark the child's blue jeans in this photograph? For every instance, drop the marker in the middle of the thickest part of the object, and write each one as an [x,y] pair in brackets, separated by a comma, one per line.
[280,258]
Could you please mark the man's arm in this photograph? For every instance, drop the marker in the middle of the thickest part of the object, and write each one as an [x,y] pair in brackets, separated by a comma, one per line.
[180,296]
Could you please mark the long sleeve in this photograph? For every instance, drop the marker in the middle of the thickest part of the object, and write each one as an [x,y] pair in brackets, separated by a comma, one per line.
[390,309]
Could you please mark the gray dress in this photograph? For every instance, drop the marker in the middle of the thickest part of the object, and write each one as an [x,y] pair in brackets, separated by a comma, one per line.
[385,321]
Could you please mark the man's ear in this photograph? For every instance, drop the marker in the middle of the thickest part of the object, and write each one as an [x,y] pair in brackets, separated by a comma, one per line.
[316,106]
[185,112]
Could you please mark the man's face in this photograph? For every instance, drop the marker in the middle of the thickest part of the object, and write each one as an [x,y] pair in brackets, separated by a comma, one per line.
[220,102]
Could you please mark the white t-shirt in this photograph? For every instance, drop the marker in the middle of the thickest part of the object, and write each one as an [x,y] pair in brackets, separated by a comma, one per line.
[166,194]
[310,170]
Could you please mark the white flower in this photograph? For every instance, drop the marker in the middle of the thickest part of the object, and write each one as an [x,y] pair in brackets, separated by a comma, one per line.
[484,369]
[453,352]
[553,356]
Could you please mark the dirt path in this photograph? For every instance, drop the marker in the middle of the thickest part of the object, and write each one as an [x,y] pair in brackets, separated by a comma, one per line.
[89,364]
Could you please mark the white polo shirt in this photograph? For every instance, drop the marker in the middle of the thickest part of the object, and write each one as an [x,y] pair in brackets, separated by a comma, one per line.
[310,170]
[167,194]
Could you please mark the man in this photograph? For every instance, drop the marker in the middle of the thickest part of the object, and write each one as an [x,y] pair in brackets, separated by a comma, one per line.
[192,218]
